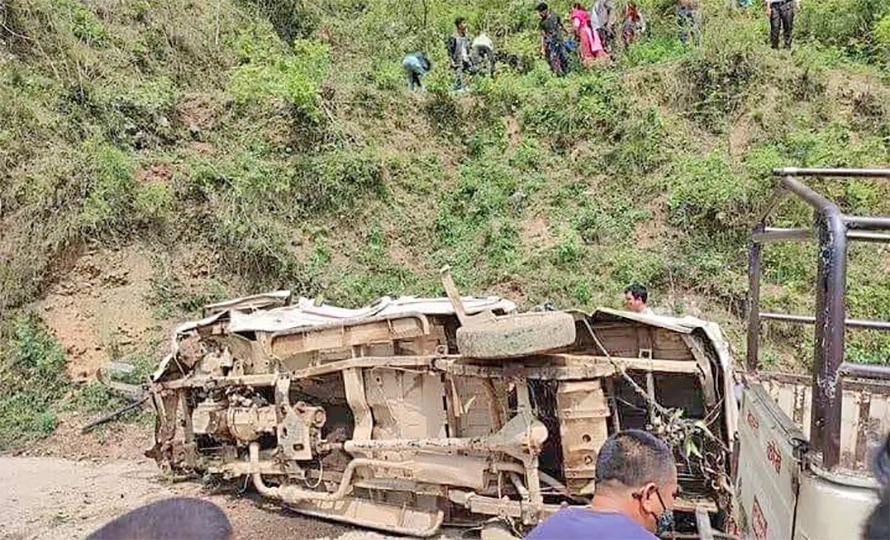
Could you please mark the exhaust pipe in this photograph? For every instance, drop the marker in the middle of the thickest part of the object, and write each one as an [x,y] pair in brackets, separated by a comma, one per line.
[293,495]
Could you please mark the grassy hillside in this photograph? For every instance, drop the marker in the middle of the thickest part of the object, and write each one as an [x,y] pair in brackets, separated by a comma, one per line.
[281,136]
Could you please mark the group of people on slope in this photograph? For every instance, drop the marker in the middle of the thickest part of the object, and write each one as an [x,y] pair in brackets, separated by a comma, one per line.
[467,56]
[594,32]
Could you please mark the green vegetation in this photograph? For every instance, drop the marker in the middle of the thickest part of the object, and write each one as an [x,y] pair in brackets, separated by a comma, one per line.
[35,388]
[32,381]
[281,136]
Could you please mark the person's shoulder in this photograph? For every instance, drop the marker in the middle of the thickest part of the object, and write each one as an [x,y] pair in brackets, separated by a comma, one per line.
[617,525]
[563,525]
[583,523]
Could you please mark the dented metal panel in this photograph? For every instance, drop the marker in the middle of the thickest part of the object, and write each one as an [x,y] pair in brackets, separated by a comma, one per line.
[373,416]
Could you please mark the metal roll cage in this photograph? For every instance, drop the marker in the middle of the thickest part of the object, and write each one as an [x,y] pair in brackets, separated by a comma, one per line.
[832,229]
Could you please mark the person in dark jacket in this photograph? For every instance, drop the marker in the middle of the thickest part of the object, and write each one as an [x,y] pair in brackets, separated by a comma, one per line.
[552,45]
[687,21]
[459,52]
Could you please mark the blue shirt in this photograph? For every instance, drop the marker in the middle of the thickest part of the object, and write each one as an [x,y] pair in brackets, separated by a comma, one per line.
[575,523]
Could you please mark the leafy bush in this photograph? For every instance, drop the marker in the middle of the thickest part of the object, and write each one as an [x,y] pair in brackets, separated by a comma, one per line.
[267,71]
[717,75]
[846,23]
[335,181]
[83,22]
[292,19]
[137,112]
[653,51]
[108,204]
[706,193]
[154,201]
[32,380]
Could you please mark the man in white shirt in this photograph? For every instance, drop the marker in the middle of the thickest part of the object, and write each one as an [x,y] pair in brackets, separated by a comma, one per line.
[482,55]
[781,16]
[635,298]
[602,20]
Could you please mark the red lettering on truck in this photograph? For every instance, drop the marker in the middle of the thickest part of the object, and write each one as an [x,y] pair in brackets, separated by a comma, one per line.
[758,523]
[774,456]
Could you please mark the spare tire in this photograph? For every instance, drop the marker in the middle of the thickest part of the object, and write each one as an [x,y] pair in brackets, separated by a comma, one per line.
[516,335]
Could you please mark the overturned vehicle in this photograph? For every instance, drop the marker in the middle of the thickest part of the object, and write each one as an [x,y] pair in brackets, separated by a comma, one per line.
[415,412]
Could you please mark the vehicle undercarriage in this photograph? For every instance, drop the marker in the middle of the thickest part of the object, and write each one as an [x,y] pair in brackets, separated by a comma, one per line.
[376,418]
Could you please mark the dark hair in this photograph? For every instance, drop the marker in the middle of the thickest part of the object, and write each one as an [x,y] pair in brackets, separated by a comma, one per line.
[633,12]
[458,20]
[638,291]
[180,517]
[578,5]
[632,458]
[541,7]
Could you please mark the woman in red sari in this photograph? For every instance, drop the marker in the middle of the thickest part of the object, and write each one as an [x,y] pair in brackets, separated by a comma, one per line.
[589,45]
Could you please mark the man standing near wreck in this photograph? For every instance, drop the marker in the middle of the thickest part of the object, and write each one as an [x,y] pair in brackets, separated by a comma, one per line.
[636,298]
[636,482]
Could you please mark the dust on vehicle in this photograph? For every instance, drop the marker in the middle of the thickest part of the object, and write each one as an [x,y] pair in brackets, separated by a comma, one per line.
[415,412]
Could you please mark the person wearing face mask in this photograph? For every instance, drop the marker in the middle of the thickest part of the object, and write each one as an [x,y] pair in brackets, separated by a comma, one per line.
[636,482]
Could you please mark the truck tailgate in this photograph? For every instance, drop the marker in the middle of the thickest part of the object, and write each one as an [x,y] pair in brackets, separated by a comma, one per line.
[768,470]
[865,409]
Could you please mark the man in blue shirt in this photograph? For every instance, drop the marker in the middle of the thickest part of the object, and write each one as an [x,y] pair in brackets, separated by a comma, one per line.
[636,482]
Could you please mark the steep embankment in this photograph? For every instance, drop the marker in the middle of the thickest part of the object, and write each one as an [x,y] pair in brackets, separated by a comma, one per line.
[156,155]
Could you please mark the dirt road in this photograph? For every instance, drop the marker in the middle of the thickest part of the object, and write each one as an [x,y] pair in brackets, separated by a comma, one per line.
[55,498]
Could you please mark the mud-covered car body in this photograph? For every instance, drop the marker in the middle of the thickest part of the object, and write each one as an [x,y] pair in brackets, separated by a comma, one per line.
[373,417]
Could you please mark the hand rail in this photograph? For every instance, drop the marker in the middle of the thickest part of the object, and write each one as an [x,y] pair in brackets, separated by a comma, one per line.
[809,319]
[832,230]
[836,173]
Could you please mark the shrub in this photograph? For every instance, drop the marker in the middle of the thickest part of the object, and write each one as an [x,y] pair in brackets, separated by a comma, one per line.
[705,193]
[83,23]
[655,50]
[32,380]
[109,202]
[292,19]
[153,201]
[268,72]
[846,23]
[639,140]
[136,112]
[632,264]
[335,181]
[714,79]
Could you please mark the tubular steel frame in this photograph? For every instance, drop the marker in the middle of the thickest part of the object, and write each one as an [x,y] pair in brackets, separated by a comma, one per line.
[832,229]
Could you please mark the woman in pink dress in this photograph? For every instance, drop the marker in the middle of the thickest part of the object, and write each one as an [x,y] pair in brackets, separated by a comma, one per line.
[589,45]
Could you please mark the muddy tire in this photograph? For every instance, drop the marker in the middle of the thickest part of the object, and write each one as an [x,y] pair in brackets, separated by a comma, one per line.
[517,335]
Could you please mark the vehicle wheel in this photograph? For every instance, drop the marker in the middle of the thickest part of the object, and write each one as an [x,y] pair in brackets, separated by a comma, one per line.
[516,335]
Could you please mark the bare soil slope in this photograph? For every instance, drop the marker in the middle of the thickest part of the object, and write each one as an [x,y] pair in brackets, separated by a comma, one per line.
[98,309]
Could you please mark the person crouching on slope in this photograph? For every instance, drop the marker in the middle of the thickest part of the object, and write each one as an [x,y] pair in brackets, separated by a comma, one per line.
[416,66]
